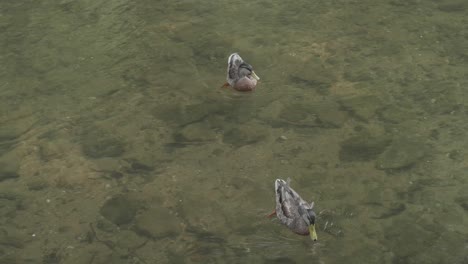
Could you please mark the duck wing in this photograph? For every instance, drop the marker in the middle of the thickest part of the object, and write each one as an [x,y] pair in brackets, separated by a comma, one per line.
[234,61]
[287,203]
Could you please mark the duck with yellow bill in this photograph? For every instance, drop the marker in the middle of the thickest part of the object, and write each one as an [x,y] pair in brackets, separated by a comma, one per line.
[293,211]
[240,74]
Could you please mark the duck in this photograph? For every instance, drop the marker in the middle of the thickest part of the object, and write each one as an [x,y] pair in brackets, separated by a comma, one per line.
[293,211]
[240,74]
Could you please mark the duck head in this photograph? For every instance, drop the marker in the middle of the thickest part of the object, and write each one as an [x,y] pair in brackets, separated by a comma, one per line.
[309,217]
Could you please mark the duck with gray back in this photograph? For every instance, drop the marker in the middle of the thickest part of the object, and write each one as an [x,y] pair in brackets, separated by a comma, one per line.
[293,211]
[240,74]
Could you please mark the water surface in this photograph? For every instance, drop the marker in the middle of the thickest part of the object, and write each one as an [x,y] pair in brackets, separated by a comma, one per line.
[118,146]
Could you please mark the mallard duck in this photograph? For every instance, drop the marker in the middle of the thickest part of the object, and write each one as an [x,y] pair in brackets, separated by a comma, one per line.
[293,211]
[240,74]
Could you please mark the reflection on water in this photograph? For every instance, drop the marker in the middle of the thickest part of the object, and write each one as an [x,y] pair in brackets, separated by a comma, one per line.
[118,146]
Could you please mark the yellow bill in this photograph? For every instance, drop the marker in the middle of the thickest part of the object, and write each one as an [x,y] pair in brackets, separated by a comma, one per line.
[255,76]
[313,234]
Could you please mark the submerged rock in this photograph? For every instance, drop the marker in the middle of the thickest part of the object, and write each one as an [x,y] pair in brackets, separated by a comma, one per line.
[401,153]
[97,143]
[358,74]
[197,132]
[168,112]
[298,115]
[37,184]
[197,112]
[395,114]
[8,133]
[418,234]
[10,204]
[158,222]
[453,6]
[101,147]
[184,115]
[128,239]
[245,135]
[312,75]
[463,202]
[364,107]
[325,115]
[12,131]
[294,113]
[137,166]
[120,210]
[383,212]
[330,116]
[7,172]
[9,166]
[363,147]
[107,164]
[456,155]
[13,238]
[279,260]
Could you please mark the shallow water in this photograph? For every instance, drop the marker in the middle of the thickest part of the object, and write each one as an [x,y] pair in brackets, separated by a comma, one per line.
[118,146]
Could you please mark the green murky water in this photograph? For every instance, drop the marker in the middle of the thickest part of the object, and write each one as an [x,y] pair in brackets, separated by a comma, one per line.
[118,146]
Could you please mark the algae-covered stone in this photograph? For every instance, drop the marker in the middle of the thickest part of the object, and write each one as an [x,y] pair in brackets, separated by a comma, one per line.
[107,164]
[197,132]
[401,153]
[7,172]
[105,225]
[128,239]
[453,6]
[437,97]
[358,73]
[363,147]
[37,184]
[13,238]
[53,149]
[168,112]
[245,135]
[139,166]
[206,246]
[463,202]
[9,166]
[158,222]
[415,236]
[329,115]
[183,115]
[97,143]
[279,260]
[298,114]
[294,113]
[364,107]
[8,133]
[103,147]
[383,212]
[120,210]
[10,203]
[456,155]
[395,114]
[313,75]
[197,112]
[271,111]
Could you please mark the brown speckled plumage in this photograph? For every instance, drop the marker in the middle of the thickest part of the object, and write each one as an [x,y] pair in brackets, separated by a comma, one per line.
[240,74]
[291,209]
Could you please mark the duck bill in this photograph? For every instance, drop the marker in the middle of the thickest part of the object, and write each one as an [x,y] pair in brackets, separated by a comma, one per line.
[255,76]
[313,234]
